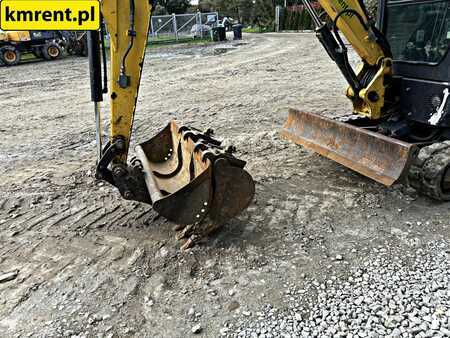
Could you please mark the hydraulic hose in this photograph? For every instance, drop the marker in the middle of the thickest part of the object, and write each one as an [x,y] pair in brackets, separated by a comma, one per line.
[105,66]
[124,79]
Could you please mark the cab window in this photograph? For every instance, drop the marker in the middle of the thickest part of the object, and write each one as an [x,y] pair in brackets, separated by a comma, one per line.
[418,32]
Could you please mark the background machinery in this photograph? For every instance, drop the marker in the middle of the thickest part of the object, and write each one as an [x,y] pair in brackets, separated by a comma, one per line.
[185,174]
[400,126]
[75,42]
[43,44]
[48,45]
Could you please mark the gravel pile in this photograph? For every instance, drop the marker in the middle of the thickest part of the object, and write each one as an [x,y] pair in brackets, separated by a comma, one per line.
[403,296]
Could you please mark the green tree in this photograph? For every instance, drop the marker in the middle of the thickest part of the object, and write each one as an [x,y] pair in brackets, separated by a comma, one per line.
[259,12]
[307,23]
[160,10]
[265,12]
[240,10]
[175,6]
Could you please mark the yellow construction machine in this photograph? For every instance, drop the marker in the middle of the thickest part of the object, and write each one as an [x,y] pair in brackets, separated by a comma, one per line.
[48,45]
[184,173]
[400,125]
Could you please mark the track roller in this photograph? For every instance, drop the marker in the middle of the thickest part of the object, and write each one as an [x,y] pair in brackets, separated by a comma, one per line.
[430,171]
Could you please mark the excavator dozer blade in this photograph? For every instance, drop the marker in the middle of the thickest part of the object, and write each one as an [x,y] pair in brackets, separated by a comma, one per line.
[190,177]
[379,157]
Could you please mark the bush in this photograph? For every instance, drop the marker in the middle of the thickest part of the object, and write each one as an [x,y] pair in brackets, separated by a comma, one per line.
[297,18]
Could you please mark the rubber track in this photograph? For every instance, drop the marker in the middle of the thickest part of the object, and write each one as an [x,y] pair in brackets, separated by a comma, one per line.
[426,172]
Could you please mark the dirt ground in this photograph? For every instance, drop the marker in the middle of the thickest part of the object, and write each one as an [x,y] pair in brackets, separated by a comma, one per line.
[91,264]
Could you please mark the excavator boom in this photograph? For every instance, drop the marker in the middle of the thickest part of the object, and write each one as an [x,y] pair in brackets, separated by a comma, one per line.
[185,174]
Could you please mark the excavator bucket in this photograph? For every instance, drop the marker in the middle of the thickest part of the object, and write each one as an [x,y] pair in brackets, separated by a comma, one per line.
[191,177]
[381,158]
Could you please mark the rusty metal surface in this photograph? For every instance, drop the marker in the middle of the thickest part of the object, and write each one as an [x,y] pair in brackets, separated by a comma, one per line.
[381,158]
[233,191]
[190,177]
[186,205]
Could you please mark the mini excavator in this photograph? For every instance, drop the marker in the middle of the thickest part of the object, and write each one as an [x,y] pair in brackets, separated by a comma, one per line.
[399,130]
[185,174]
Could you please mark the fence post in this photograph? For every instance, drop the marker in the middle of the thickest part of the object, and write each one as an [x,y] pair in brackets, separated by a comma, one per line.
[175,28]
[198,22]
[152,29]
[277,19]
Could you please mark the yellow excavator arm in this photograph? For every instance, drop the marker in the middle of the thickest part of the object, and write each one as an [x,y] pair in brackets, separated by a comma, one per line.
[184,173]
[128,24]
[352,21]
[368,84]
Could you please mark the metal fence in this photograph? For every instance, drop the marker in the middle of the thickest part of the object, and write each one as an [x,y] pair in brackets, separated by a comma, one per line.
[182,26]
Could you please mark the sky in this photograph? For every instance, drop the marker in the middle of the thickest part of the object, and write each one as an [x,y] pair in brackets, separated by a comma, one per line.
[194,2]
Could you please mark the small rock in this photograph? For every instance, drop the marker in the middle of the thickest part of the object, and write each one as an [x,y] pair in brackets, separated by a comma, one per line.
[233,306]
[396,333]
[9,276]
[359,300]
[196,329]
[435,325]
[445,331]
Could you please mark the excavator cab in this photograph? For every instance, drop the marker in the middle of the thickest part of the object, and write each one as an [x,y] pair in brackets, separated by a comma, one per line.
[419,36]
[185,174]
[400,123]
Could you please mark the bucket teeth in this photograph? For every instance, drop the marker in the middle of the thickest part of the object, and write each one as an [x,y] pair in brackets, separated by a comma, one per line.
[191,178]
